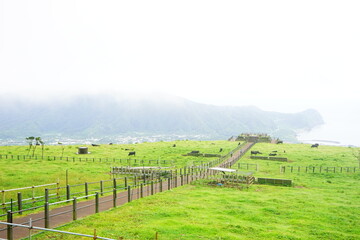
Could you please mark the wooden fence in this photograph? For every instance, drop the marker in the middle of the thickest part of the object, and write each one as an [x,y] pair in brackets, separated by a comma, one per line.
[32,228]
[128,161]
[118,195]
[281,159]
[318,169]
[248,166]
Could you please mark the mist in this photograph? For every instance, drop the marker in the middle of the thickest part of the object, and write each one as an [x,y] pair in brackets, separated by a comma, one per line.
[279,56]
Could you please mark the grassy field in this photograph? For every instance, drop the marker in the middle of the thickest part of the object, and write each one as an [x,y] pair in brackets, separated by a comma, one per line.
[318,206]
[16,173]
[19,173]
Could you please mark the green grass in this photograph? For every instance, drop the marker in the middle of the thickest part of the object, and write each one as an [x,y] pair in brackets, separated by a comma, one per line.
[19,173]
[319,206]
[202,212]
[31,172]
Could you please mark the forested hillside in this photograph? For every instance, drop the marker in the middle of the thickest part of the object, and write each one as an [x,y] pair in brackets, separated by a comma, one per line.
[104,115]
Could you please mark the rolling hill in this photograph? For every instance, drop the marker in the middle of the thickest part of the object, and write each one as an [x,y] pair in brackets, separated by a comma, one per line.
[108,115]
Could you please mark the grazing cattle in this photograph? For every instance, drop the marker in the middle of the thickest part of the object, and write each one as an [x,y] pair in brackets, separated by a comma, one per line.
[279,142]
[95,145]
[272,154]
[110,144]
[195,151]
[255,152]
[174,145]
[274,151]
[220,150]
[315,145]
[131,154]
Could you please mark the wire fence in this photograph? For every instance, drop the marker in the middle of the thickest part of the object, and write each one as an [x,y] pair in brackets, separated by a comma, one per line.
[128,161]
[30,227]
[318,169]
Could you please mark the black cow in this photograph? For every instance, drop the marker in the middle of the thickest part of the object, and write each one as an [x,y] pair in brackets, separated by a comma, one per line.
[131,154]
[195,151]
[220,150]
[315,145]
[255,152]
[95,145]
[110,144]
[274,151]
[174,145]
[272,154]
[279,142]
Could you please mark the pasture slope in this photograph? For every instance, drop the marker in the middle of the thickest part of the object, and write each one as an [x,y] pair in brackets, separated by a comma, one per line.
[64,214]
[322,205]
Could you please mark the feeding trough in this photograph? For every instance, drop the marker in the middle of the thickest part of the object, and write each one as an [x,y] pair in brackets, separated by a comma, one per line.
[83,150]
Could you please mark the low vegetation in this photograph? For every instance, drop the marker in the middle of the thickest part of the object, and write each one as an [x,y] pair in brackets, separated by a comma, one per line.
[17,173]
[317,206]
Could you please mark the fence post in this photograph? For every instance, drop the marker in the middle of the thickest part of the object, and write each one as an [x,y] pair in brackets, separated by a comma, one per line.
[57,189]
[114,183]
[68,192]
[144,177]
[141,190]
[9,227]
[126,182]
[74,209]
[46,195]
[129,193]
[86,190]
[19,199]
[96,202]
[152,187]
[114,197]
[169,183]
[47,215]
[160,182]
[101,188]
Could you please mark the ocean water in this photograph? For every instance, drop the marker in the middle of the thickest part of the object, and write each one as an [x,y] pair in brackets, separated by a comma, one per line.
[342,133]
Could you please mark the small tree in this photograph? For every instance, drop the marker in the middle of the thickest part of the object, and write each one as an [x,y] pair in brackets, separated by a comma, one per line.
[30,141]
[37,142]
[62,149]
[42,147]
[356,154]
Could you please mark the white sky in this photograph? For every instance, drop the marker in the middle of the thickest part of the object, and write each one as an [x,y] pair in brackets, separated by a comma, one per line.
[278,55]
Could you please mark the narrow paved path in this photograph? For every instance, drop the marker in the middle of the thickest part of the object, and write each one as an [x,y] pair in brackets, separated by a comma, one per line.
[62,215]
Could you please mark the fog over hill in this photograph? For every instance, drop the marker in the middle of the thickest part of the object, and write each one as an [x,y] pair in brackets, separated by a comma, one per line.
[99,116]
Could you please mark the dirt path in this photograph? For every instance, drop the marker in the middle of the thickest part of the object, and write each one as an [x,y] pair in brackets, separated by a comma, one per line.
[62,215]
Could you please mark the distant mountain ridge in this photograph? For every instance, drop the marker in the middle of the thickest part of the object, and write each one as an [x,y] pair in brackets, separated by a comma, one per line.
[104,115]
